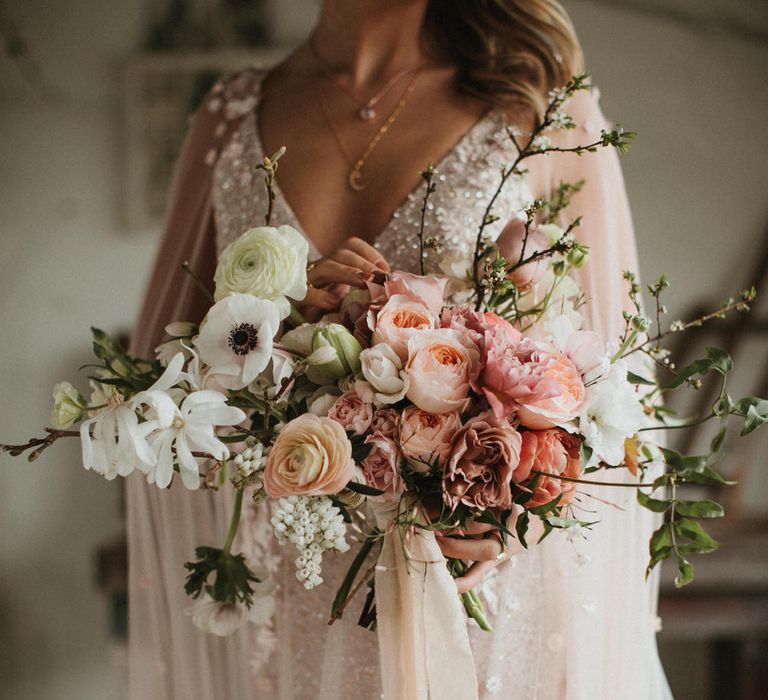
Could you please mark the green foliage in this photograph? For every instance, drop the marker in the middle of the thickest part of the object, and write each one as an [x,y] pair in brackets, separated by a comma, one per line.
[232,582]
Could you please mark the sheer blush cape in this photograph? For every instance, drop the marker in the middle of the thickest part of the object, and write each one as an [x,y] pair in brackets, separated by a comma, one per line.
[607,655]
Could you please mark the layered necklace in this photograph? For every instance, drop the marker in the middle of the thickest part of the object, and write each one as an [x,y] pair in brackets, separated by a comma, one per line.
[366,112]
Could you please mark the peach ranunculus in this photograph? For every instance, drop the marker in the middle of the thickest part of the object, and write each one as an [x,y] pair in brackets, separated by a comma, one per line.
[441,365]
[552,451]
[537,381]
[426,437]
[354,414]
[311,456]
[484,455]
[381,467]
[510,245]
[399,320]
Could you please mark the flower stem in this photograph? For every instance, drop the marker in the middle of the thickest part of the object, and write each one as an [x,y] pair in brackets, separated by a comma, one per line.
[235,521]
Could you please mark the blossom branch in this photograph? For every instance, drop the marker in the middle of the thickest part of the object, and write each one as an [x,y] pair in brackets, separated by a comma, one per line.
[39,445]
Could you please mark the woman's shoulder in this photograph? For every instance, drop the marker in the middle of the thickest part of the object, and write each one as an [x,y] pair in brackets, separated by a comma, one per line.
[230,99]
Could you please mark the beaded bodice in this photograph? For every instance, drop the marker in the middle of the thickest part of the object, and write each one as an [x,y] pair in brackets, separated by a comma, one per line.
[467,177]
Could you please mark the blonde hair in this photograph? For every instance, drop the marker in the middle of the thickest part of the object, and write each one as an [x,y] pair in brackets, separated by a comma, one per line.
[509,53]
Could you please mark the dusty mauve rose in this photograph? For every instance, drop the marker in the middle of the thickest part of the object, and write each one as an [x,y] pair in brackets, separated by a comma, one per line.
[312,456]
[386,421]
[398,321]
[441,365]
[425,437]
[510,245]
[381,467]
[541,384]
[552,451]
[354,414]
[484,455]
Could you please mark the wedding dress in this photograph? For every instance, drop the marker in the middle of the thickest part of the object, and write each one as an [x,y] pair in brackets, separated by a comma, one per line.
[574,617]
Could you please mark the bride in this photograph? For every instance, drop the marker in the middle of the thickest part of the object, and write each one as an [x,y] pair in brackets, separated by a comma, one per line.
[380,89]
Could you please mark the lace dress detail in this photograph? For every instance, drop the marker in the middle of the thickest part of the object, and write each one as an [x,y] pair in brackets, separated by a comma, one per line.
[537,597]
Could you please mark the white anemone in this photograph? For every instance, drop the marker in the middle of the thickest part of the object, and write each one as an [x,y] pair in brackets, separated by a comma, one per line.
[236,337]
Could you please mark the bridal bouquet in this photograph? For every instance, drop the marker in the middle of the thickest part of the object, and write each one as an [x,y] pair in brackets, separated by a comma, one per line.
[440,402]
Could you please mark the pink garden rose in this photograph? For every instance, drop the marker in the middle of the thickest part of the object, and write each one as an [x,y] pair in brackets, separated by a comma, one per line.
[552,451]
[475,324]
[386,421]
[381,467]
[541,384]
[427,290]
[484,455]
[311,456]
[441,365]
[354,414]
[510,245]
[426,437]
[398,321]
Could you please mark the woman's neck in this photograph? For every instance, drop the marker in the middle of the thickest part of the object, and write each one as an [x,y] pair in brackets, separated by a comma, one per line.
[368,40]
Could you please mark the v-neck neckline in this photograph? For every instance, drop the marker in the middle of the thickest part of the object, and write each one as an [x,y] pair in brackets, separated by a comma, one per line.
[441,165]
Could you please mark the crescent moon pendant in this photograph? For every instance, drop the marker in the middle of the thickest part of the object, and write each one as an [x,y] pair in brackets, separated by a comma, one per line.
[355,181]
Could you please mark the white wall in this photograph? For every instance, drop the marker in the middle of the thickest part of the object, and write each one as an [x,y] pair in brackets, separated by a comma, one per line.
[696,180]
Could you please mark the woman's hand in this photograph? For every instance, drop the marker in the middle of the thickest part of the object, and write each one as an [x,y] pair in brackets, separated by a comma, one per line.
[331,277]
[482,545]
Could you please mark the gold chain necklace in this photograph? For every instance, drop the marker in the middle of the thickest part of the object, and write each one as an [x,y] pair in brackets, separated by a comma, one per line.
[355,177]
[366,109]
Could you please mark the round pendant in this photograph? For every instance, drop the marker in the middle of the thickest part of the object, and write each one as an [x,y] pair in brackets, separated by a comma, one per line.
[366,113]
[355,181]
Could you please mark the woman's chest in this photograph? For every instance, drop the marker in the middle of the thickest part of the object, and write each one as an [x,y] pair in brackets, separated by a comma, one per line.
[467,176]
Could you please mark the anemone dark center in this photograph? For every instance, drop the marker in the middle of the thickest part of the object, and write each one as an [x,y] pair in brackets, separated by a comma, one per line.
[243,338]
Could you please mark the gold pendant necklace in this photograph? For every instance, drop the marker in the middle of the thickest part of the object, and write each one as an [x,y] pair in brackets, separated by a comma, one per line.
[366,109]
[355,179]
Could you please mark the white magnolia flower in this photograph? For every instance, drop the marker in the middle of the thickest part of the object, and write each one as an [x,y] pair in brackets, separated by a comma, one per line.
[191,429]
[68,406]
[383,369]
[267,262]
[612,413]
[236,337]
[119,442]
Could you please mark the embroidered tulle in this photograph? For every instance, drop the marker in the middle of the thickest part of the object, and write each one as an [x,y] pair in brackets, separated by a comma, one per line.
[573,617]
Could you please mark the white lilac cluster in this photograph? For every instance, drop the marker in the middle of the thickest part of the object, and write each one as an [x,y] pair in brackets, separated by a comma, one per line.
[314,525]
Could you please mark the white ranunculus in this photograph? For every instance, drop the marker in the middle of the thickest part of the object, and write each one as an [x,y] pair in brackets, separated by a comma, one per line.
[267,262]
[68,406]
[612,413]
[383,369]
[235,339]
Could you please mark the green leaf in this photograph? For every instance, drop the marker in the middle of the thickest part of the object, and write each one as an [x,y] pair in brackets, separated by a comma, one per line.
[717,360]
[684,572]
[364,489]
[680,463]
[700,509]
[717,442]
[662,537]
[637,379]
[660,554]
[521,527]
[694,531]
[706,475]
[654,504]
[349,579]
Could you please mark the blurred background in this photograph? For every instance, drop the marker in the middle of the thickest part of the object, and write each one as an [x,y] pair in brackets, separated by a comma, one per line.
[93,102]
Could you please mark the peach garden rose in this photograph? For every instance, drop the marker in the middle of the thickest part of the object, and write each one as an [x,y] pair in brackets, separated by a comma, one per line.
[441,365]
[553,452]
[426,437]
[399,320]
[311,456]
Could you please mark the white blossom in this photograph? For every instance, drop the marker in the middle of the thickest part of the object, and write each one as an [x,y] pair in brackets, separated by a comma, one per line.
[314,525]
